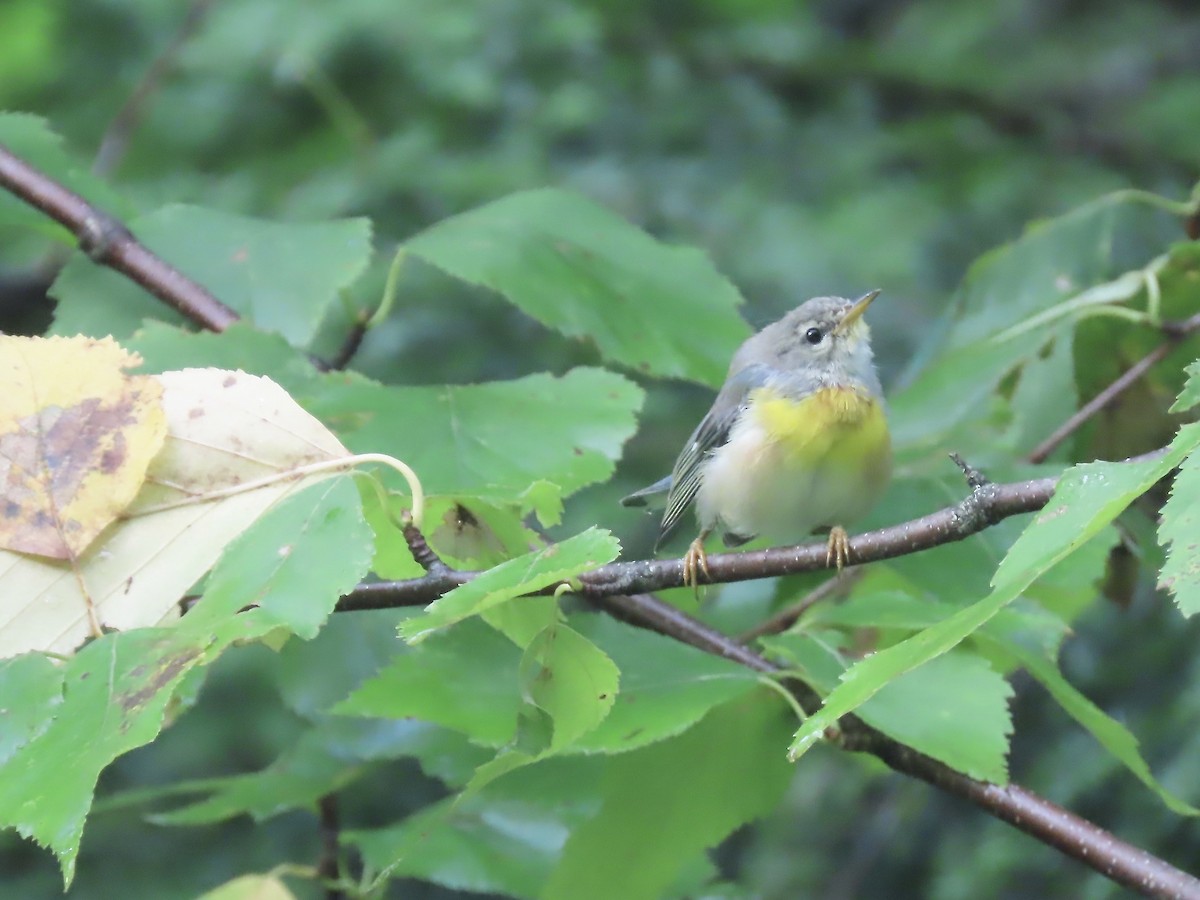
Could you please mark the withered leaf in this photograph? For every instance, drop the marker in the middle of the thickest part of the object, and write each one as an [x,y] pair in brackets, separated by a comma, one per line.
[77,435]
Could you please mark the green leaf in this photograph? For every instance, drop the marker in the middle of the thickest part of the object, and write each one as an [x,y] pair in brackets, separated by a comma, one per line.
[362,644]
[283,277]
[324,759]
[664,804]
[464,679]
[31,690]
[666,686]
[299,559]
[164,348]
[1055,261]
[117,688]
[1036,410]
[1190,395]
[1088,498]
[1180,528]
[588,273]
[954,387]
[954,708]
[523,575]
[571,679]
[1112,735]
[1018,297]
[115,695]
[505,839]
[476,846]
[493,441]
[524,621]
[30,138]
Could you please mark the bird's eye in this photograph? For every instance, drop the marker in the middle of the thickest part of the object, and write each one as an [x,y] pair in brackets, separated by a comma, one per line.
[813,336]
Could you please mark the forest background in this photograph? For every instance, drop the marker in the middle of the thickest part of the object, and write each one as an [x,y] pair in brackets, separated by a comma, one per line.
[806,148]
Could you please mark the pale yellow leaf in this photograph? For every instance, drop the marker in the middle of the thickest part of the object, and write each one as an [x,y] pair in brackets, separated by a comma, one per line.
[223,429]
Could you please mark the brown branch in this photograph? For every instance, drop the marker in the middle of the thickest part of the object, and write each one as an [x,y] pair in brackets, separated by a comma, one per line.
[116,139]
[1049,823]
[984,506]
[108,242]
[1174,331]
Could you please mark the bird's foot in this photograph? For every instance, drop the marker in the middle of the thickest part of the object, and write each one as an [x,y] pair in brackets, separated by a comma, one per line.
[838,552]
[695,561]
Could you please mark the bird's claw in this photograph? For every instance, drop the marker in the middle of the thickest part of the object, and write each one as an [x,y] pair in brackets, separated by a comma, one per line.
[838,550]
[695,561]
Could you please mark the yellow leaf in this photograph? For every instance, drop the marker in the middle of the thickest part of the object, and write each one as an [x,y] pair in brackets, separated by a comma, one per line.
[76,437]
[224,429]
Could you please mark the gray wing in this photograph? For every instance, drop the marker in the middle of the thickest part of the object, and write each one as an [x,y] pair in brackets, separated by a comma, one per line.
[711,433]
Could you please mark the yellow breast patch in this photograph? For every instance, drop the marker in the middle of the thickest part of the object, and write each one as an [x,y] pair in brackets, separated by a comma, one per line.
[839,425]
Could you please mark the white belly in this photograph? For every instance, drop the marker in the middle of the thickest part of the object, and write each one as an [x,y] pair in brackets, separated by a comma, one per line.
[751,486]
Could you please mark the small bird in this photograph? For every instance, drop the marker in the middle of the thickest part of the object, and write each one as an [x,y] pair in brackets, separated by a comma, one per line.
[796,440]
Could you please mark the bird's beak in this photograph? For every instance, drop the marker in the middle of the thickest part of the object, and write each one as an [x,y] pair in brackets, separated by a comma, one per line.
[856,311]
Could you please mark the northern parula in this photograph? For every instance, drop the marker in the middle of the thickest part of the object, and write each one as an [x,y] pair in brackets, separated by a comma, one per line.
[796,440]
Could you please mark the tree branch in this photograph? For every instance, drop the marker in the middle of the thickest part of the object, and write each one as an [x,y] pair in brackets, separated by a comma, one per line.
[108,242]
[1174,331]
[984,506]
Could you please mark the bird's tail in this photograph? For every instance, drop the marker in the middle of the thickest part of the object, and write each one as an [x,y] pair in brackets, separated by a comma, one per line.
[649,494]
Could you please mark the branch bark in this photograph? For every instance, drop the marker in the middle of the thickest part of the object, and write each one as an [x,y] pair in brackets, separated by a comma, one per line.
[108,242]
[984,506]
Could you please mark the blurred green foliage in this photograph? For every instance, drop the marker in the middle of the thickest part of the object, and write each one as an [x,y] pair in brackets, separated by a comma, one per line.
[821,147]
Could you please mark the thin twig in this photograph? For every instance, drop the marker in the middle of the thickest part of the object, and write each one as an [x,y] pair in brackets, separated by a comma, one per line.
[424,555]
[109,243]
[329,867]
[788,616]
[1174,331]
[116,139]
[351,343]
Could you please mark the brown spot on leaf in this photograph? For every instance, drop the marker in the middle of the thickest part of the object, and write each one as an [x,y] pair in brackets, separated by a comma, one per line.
[78,434]
[165,671]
